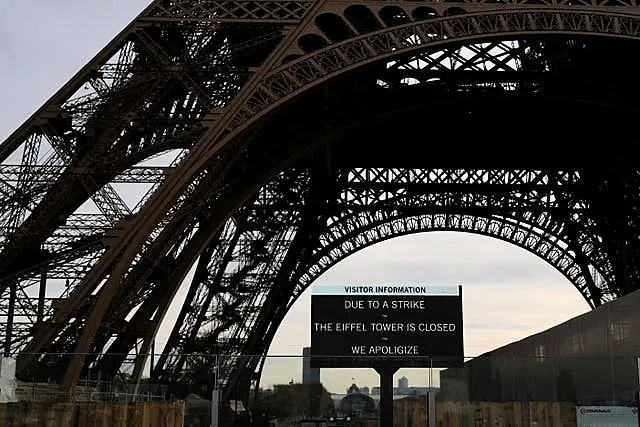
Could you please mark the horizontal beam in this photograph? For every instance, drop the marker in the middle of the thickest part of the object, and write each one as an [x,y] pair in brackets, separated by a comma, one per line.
[138,174]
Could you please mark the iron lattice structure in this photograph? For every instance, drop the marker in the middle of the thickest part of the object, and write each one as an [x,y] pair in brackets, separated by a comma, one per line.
[273,138]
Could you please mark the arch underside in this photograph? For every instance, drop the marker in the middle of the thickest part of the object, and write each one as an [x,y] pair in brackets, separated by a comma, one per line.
[370,228]
[237,271]
[299,193]
[371,214]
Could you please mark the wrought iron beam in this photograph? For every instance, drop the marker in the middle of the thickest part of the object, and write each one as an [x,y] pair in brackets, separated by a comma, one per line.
[215,79]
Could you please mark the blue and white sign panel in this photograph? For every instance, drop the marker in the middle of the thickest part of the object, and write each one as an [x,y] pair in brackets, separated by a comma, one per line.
[387,290]
[386,325]
[606,416]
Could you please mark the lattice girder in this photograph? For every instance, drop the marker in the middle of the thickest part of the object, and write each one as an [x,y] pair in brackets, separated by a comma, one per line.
[95,125]
[616,24]
[526,195]
[238,286]
[203,76]
[347,230]
[95,122]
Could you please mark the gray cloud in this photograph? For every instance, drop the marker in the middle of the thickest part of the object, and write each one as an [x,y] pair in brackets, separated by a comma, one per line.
[43,44]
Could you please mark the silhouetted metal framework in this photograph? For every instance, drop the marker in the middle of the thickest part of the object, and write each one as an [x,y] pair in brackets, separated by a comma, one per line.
[268,140]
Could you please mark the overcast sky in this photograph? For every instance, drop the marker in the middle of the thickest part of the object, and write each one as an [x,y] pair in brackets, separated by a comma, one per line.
[508,293]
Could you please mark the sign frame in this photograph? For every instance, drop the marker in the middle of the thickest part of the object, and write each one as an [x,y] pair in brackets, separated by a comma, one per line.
[380,334]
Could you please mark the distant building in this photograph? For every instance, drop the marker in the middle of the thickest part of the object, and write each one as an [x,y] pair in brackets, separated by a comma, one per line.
[355,403]
[403,382]
[309,375]
[406,391]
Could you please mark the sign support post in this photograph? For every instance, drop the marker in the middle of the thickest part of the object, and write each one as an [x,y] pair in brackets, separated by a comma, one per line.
[637,396]
[215,398]
[385,406]
[431,409]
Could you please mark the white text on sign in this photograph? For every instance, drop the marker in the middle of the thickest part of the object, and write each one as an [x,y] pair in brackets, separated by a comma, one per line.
[389,305]
[384,327]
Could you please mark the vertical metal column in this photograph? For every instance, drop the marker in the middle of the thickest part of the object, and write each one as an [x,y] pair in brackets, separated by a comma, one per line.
[637,396]
[386,396]
[215,397]
[152,360]
[431,409]
[13,290]
[42,293]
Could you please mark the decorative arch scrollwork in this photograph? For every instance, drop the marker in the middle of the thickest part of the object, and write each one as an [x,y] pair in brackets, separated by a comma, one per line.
[364,230]
[525,208]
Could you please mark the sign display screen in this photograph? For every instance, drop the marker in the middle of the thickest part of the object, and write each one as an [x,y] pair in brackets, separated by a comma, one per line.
[386,325]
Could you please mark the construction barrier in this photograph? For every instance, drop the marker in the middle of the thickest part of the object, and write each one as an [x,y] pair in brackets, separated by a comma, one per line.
[92,414]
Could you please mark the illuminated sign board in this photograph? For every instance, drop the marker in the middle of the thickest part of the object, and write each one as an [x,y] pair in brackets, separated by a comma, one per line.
[386,325]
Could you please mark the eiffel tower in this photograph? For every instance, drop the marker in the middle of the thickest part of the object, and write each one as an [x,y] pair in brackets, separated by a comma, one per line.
[298,132]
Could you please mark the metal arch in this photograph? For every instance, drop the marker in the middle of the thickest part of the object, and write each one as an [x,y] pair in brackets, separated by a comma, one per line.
[379,195]
[496,23]
[543,227]
[268,91]
[300,75]
[139,283]
[296,77]
[509,230]
[536,231]
[526,238]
